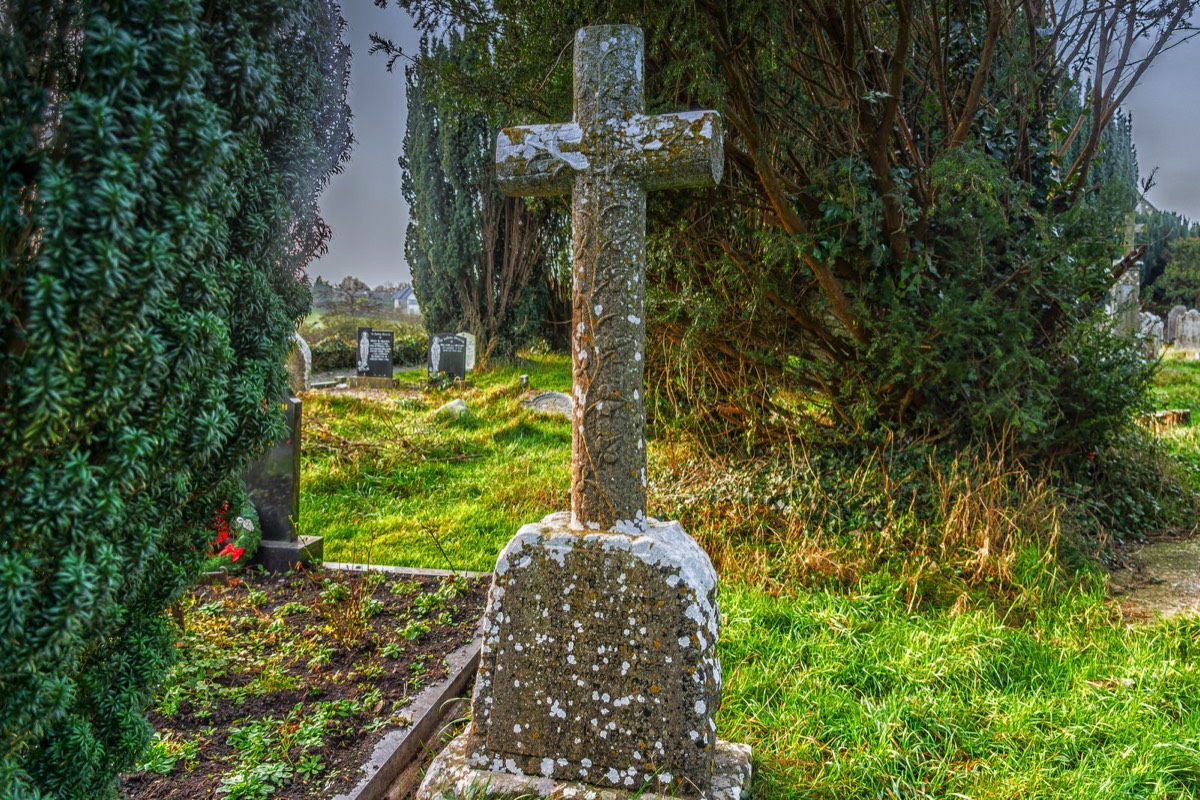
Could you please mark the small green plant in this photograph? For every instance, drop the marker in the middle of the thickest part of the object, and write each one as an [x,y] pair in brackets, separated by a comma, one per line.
[404,587]
[291,607]
[166,751]
[323,658]
[371,607]
[413,629]
[391,650]
[258,782]
[368,670]
[308,767]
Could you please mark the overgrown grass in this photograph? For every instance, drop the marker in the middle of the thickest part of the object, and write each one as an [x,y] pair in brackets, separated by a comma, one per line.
[911,625]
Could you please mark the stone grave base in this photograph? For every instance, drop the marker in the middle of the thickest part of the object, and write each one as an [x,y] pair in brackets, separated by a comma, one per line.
[452,776]
[280,556]
[599,675]
[372,383]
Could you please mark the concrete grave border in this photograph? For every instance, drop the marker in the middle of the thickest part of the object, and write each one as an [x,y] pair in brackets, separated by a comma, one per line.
[397,750]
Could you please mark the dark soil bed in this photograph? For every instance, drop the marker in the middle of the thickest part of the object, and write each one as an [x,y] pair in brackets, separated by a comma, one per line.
[286,682]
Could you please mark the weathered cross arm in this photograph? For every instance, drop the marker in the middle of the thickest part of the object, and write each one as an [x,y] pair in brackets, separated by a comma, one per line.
[668,151]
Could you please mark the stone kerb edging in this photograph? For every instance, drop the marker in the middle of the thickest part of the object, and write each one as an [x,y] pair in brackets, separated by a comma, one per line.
[397,749]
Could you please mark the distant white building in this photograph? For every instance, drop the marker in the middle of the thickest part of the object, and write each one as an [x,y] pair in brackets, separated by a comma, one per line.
[404,299]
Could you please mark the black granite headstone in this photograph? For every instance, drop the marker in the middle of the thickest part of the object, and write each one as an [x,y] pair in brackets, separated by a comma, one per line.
[274,486]
[448,355]
[274,482]
[375,349]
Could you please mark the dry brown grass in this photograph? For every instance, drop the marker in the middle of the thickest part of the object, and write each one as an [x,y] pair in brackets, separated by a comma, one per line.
[955,526]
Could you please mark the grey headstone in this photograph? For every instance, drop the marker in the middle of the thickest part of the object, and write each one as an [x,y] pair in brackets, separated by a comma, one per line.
[299,365]
[1173,321]
[1123,302]
[614,679]
[556,403]
[1152,333]
[1187,334]
[274,481]
[469,352]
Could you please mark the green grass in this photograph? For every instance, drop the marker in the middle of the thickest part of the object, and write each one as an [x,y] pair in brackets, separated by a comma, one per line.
[853,696]
[1177,385]
[386,480]
[898,659]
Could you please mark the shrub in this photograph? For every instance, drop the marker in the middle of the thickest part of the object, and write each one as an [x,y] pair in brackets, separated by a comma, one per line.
[333,352]
[410,349]
[161,167]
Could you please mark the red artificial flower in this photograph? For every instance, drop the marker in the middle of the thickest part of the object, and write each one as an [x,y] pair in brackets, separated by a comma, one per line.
[234,552]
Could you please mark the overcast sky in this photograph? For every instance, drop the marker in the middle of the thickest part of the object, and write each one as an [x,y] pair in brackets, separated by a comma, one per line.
[369,216]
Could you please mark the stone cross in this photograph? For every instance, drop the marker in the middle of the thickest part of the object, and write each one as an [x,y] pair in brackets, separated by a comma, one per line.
[607,158]
[599,675]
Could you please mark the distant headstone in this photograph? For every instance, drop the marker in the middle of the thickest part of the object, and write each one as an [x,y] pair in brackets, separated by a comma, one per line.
[1187,334]
[1173,322]
[448,355]
[274,486]
[299,365]
[470,352]
[375,352]
[1123,302]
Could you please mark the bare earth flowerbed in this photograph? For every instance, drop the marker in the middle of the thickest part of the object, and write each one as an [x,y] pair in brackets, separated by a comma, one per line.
[286,682]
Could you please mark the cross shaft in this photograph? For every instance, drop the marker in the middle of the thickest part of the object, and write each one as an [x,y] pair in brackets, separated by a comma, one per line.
[608,157]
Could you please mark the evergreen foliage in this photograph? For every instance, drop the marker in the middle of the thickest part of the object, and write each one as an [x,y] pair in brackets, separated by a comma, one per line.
[921,208]
[479,260]
[1161,230]
[1180,280]
[161,163]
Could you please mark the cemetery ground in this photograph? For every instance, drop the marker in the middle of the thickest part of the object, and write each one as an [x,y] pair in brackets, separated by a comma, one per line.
[972,650]
[285,682]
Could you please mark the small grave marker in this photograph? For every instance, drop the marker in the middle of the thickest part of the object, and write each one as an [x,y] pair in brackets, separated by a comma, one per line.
[470,351]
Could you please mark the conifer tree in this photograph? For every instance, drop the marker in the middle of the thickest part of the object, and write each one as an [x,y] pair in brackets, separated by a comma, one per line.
[478,259]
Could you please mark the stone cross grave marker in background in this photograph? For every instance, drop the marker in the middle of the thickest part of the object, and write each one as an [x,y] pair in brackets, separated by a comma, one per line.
[599,676]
